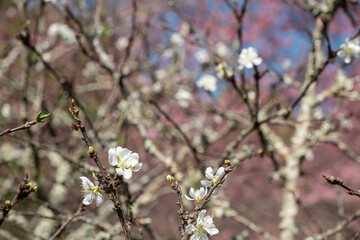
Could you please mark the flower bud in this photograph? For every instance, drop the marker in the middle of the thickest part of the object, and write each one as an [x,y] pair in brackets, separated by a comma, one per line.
[91,150]
[170,178]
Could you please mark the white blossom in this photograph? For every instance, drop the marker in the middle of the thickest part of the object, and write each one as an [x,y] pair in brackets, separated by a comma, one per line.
[63,32]
[223,69]
[203,224]
[160,74]
[249,58]
[202,56]
[349,49]
[207,82]
[209,174]
[122,43]
[6,110]
[124,160]
[177,39]
[221,49]
[196,195]
[183,97]
[91,192]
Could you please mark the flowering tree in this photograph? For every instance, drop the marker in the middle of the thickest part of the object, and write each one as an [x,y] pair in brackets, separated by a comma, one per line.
[146,101]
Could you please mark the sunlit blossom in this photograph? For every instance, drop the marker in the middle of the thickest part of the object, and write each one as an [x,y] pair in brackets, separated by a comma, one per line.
[62,31]
[249,58]
[348,50]
[196,195]
[91,192]
[177,39]
[207,82]
[209,174]
[183,97]
[202,56]
[125,161]
[203,224]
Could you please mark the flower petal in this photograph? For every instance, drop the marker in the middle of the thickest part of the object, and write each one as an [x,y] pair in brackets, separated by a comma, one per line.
[133,159]
[119,171]
[127,173]
[137,167]
[209,174]
[112,157]
[190,228]
[205,183]
[201,216]
[219,172]
[99,199]
[88,198]
[86,183]
[211,229]
[192,192]
[189,198]
[123,153]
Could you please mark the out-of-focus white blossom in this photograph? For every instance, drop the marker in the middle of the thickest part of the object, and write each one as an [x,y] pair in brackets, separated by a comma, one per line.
[157,87]
[62,31]
[91,192]
[223,70]
[6,110]
[207,82]
[177,39]
[124,160]
[222,49]
[160,74]
[183,97]
[251,95]
[196,195]
[342,82]
[122,43]
[209,174]
[286,64]
[91,69]
[249,58]
[202,56]
[349,49]
[203,224]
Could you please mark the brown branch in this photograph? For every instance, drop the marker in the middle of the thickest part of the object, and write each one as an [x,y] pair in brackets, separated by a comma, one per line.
[337,181]
[183,214]
[25,187]
[182,133]
[340,226]
[68,221]
[22,127]
[25,39]
[106,183]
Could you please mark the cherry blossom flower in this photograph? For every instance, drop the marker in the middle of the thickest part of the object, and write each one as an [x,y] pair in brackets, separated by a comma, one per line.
[349,49]
[177,39]
[122,43]
[196,195]
[207,82]
[249,58]
[124,160]
[91,192]
[203,224]
[183,97]
[63,32]
[209,174]
[202,56]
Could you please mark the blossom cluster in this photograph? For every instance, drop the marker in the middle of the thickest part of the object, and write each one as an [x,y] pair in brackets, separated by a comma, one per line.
[204,223]
[125,162]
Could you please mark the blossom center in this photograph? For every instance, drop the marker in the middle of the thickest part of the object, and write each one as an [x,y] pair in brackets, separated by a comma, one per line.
[214,180]
[200,229]
[95,189]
